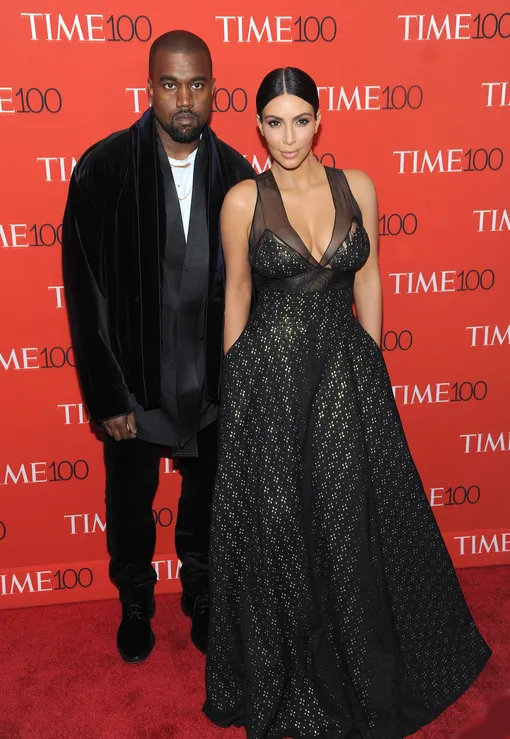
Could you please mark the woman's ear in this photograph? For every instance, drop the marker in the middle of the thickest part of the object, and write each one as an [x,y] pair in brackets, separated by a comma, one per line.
[260,126]
[318,120]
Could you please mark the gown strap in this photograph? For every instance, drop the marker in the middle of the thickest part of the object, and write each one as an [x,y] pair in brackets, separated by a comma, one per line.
[343,189]
[270,215]
[258,223]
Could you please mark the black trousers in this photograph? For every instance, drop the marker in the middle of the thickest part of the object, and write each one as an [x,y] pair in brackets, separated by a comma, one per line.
[132,478]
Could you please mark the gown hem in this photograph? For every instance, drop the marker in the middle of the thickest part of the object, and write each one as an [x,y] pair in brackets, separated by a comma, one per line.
[224,722]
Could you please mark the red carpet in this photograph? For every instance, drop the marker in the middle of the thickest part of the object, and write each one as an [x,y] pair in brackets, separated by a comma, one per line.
[61,677]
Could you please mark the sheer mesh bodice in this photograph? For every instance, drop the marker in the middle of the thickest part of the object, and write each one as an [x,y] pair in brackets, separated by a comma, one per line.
[335,609]
[270,215]
[276,251]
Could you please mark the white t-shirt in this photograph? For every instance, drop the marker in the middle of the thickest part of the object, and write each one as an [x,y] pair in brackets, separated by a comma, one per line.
[182,171]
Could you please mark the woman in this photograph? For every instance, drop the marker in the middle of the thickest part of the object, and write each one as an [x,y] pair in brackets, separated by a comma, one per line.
[336,612]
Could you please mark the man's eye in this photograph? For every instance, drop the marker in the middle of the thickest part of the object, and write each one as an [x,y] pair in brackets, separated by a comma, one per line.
[198,85]
[169,86]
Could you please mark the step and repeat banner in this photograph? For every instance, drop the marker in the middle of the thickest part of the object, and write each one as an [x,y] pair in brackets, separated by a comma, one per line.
[415,93]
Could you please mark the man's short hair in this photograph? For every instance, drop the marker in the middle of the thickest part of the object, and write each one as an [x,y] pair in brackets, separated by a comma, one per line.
[178,42]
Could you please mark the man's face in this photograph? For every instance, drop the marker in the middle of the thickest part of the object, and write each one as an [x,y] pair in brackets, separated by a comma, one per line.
[181,90]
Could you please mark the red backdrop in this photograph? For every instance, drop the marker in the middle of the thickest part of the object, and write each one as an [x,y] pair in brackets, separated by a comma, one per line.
[417,94]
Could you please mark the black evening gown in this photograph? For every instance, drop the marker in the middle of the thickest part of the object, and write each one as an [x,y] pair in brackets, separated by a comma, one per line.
[336,612]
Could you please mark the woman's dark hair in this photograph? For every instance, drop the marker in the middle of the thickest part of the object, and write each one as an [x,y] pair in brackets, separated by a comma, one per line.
[290,81]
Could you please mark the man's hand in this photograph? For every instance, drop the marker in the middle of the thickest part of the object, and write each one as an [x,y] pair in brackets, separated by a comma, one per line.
[122,427]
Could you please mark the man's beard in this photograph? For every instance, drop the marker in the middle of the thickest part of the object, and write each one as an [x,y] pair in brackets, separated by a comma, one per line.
[183,135]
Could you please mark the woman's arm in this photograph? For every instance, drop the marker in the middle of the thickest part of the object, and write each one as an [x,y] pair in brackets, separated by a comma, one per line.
[367,284]
[236,218]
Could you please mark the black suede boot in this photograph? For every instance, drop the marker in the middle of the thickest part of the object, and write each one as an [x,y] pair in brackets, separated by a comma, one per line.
[187,605]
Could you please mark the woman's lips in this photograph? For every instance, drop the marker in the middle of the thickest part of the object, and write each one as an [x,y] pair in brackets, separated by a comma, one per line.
[290,154]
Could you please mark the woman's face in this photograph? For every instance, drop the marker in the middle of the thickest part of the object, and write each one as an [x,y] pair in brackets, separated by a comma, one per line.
[288,124]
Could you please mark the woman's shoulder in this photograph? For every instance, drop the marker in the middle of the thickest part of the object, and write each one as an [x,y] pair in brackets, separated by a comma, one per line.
[241,197]
[360,184]
[358,180]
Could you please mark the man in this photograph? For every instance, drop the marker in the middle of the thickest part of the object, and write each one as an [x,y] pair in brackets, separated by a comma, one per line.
[144,285]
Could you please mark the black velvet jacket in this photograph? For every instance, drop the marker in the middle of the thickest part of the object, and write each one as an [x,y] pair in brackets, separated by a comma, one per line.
[114,230]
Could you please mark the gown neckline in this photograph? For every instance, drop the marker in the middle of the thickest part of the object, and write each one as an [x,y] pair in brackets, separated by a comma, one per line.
[319,262]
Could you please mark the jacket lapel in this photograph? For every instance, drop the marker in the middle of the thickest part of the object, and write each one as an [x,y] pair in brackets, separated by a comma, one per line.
[150,198]
[216,190]
[192,300]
